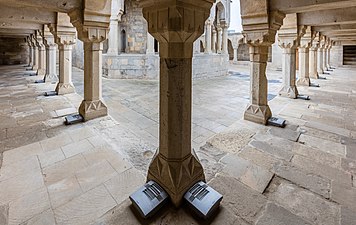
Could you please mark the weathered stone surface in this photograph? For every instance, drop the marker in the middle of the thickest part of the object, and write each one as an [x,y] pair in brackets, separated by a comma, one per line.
[51,157]
[81,133]
[276,215]
[23,167]
[322,134]
[241,200]
[76,148]
[232,141]
[259,158]
[305,204]
[28,206]
[320,169]
[4,214]
[56,142]
[347,216]
[85,208]
[250,174]
[336,149]
[21,153]
[328,128]
[45,218]
[281,152]
[305,179]
[344,194]
[285,133]
[349,165]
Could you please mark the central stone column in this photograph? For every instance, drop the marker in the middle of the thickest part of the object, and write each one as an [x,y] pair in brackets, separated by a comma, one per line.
[176,26]
[219,40]
[289,88]
[51,50]
[325,67]
[213,42]
[42,54]
[313,67]
[35,53]
[208,37]
[224,27]
[92,25]
[30,55]
[328,56]
[303,51]
[235,54]
[321,55]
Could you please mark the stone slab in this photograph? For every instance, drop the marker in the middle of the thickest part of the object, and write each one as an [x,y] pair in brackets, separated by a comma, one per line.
[51,157]
[344,194]
[4,214]
[280,152]
[21,153]
[65,112]
[348,217]
[349,165]
[45,218]
[259,158]
[76,148]
[85,208]
[285,133]
[248,173]
[277,215]
[331,147]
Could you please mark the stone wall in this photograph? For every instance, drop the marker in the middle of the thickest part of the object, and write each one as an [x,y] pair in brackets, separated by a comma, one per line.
[277,56]
[142,66]
[135,27]
[336,55]
[13,51]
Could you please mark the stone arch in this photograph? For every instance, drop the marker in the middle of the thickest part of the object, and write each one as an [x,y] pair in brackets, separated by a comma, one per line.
[123,39]
[220,12]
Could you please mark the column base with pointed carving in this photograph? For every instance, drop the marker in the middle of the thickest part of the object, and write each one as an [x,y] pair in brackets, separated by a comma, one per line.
[289,92]
[51,78]
[303,82]
[258,114]
[63,89]
[92,109]
[41,72]
[176,177]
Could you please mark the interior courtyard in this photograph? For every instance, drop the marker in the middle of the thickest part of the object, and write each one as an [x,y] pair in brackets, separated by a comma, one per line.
[168,92]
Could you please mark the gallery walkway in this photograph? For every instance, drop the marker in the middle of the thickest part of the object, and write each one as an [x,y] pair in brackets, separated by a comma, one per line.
[83,174]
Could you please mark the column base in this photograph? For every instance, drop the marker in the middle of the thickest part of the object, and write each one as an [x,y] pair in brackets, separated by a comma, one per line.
[303,81]
[41,72]
[289,92]
[51,78]
[258,114]
[34,67]
[176,176]
[63,89]
[314,75]
[92,109]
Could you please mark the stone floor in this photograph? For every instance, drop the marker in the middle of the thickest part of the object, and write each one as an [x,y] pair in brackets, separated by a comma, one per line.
[83,174]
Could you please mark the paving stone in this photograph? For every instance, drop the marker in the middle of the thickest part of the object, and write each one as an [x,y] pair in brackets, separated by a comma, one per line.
[81,133]
[231,141]
[28,206]
[304,179]
[212,152]
[4,214]
[63,191]
[76,148]
[285,133]
[56,142]
[45,218]
[241,200]
[321,169]
[322,134]
[259,158]
[64,169]
[250,174]
[328,128]
[124,184]
[317,155]
[97,141]
[51,157]
[276,215]
[85,208]
[344,194]
[26,166]
[348,217]
[305,204]
[65,112]
[281,152]
[333,148]
[13,188]
[21,153]
[349,165]
[95,175]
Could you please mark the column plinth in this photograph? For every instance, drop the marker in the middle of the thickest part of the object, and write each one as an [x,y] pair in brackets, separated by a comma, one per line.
[289,88]
[303,79]
[65,85]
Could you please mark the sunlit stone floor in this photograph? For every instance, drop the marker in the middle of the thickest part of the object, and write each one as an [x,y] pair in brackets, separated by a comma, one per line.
[83,174]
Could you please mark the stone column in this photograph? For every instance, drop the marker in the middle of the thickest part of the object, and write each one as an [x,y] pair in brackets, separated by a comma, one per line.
[321,56]
[175,166]
[208,37]
[313,67]
[289,88]
[235,54]
[30,50]
[328,57]
[35,53]
[325,68]
[42,55]
[150,44]
[114,29]
[51,49]
[303,51]
[92,33]
[224,40]
[213,42]
[219,40]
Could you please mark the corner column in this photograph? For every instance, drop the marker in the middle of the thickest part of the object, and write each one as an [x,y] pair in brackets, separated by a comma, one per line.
[208,37]
[175,166]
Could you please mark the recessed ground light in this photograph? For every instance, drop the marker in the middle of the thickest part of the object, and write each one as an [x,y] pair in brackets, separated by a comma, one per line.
[73,119]
[277,122]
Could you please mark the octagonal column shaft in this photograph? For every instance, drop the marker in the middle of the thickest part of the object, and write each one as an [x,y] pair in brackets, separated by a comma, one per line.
[289,88]
[258,111]
[313,66]
[35,57]
[213,42]
[320,61]
[219,40]
[224,39]
[235,54]
[303,67]
[325,68]
[114,37]
[65,85]
[30,54]
[51,73]
[208,37]
[92,106]
[328,57]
